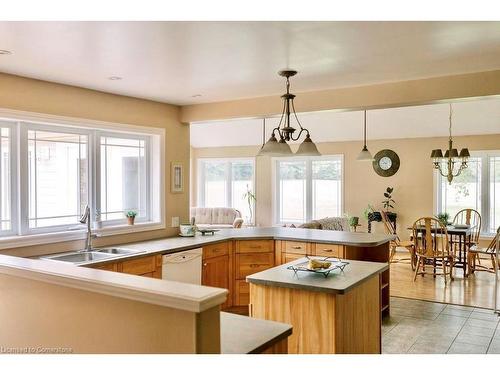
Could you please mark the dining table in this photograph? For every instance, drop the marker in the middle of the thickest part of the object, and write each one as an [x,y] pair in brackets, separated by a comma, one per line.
[460,241]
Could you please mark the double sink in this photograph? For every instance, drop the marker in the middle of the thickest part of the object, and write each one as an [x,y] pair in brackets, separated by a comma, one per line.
[94,255]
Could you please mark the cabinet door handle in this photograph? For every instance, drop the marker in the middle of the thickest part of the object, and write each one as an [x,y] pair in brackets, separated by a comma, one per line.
[254,247]
[205,264]
[327,250]
[297,247]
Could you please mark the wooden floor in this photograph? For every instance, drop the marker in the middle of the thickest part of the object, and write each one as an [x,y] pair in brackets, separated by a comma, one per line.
[476,290]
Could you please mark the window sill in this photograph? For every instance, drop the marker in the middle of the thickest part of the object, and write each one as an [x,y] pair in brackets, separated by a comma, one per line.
[74,235]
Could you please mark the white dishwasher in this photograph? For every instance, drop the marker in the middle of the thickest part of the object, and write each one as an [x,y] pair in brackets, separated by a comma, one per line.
[184,266]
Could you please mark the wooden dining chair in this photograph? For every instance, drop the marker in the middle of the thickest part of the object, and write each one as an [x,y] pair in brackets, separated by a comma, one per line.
[394,244]
[469,216]
[475,251]
[432,247]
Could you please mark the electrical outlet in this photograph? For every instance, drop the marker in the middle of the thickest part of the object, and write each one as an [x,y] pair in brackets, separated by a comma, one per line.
[175,221]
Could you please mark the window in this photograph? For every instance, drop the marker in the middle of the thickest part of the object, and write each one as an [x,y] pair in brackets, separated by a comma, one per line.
[57,177]
[62,168]
[308,188]
[477,187]
[227,183]
[123,177]
[5,178]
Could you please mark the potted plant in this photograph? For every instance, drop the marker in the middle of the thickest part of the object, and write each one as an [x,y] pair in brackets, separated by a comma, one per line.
[131,214]
[444,218]
[388,203]
[371,214]
[249,196]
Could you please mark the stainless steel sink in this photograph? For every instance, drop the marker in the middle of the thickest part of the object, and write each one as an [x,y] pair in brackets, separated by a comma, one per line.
[95,255]
[79,257]
[118,251]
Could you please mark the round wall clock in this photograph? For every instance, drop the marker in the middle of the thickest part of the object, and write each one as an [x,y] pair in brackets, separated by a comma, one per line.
[386,163]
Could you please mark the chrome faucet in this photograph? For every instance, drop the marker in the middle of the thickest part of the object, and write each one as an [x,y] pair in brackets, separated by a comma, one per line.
[85,219]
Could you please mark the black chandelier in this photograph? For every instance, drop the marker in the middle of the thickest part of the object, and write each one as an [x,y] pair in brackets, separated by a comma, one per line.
[285,131]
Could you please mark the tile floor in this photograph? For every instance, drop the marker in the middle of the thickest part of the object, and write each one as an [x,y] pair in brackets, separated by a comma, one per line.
[422,327]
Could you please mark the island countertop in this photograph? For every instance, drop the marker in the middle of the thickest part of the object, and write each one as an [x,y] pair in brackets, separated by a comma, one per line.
[338,282]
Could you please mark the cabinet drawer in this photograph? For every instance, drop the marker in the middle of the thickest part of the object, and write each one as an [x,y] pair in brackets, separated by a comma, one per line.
[242,293]
[139,266]
[286,258]
[215,250]
[107,267]
[326,250]
[255,246]
[294,247]
[247,264]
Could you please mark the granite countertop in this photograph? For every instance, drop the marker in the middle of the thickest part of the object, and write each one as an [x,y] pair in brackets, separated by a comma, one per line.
[176,244]
[243,335]
[337,282]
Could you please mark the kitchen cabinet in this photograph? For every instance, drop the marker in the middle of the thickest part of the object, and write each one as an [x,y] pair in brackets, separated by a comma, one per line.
[215,272]
[251,256]
[147,266]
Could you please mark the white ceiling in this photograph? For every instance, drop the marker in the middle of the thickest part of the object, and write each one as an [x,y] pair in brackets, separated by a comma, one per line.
[172,61]
[469,118]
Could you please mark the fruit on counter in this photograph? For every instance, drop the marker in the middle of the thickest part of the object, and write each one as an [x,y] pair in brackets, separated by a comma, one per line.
[316,264]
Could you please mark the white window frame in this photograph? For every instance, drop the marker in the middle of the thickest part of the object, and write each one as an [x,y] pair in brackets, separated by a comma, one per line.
[24,128]
[21,235]
[13,144]
[228,180]
[97,175]
[309,195]
[485,190]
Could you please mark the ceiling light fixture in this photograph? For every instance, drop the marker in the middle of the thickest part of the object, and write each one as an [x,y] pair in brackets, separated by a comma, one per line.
[285,131]
[114,78]
[446,164]
[365,155]
[5,52]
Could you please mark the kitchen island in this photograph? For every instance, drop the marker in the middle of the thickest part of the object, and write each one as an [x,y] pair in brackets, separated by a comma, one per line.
[339,313]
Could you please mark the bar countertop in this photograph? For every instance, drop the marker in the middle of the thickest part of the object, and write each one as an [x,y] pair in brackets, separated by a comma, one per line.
[338,282]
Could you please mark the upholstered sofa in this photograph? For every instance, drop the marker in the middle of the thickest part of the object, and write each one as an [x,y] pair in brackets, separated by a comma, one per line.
[216,217]
[328,223]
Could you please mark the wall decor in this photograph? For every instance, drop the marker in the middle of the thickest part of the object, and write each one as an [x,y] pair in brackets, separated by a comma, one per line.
[386,163]
[177,177]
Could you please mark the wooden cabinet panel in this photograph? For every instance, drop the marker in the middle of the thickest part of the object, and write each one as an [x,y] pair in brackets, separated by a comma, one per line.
[242,293]
[286,257]
[328,250]
[215,272]
[215,250]
[254,246]
[107,267]
[247,264]
[295,247]
[138,266]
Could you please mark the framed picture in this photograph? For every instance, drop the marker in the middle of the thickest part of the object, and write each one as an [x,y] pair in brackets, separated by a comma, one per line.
[177,177]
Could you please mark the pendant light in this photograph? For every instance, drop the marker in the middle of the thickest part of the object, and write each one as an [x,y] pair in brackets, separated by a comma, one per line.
[365,155]
[446,165]
[284,131]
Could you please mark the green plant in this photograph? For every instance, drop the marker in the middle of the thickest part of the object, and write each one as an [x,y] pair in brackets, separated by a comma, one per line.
[388,201]
[131,213]
[443,217]
[368,210]
[353,221]
[249,196]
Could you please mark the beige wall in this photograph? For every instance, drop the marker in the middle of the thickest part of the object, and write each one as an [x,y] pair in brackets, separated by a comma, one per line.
[26,94]
[413,183]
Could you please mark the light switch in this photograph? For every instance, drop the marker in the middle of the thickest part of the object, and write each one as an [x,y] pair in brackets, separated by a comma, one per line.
[175,221]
